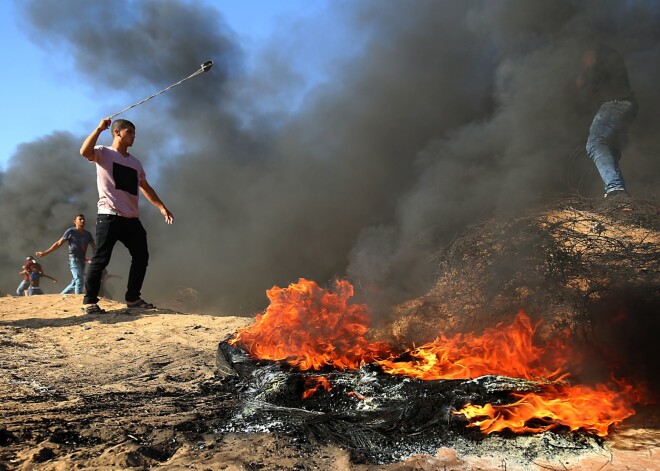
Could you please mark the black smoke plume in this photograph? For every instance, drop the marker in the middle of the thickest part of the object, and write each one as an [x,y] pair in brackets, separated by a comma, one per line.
[439,114]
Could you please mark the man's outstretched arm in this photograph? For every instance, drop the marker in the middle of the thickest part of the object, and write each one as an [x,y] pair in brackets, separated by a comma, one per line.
[50,249]
[153,198]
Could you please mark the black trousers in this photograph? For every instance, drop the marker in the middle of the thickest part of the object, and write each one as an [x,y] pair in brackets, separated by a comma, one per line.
[109,230]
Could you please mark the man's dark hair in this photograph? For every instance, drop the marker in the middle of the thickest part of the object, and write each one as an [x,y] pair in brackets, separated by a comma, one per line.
[120,124]
[80,215]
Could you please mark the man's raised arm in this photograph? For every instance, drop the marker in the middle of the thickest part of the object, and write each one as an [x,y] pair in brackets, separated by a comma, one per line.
[87,149]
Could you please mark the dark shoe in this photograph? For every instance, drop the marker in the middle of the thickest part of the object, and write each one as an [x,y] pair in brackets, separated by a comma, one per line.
[92,309]
[618,199]
[140,304]
[616,194]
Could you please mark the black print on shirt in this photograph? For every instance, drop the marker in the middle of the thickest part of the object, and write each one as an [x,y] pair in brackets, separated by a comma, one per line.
[126,178]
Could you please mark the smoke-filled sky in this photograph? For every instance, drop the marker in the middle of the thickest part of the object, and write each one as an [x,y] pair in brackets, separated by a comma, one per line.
[423,117]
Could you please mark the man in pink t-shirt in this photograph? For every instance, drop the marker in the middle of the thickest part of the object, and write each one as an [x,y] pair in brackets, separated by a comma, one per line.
[119,175]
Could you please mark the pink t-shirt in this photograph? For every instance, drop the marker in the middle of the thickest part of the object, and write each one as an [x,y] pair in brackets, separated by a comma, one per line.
[118,180]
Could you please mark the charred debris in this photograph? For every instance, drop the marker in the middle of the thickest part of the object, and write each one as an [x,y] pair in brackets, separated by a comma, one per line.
[579,266]
[377,417]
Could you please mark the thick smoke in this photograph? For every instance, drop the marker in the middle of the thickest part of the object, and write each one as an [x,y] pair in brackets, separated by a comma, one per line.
[440,114]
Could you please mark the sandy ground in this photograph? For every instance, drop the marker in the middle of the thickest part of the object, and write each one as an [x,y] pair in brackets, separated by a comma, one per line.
[138,390]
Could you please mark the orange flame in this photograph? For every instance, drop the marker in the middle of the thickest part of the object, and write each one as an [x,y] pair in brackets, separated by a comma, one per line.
[504,350]
[311,328]
[314,383]
[576,407]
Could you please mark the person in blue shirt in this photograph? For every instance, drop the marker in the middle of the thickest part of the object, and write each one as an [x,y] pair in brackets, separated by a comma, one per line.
[79,239]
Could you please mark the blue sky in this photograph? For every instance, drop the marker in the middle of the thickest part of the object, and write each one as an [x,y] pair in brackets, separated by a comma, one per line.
[40,95]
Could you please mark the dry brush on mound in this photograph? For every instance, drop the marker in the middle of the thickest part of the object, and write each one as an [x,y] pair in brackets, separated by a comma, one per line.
[577,265]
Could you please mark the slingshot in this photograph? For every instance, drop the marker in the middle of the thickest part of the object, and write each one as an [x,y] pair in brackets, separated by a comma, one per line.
[205,67]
